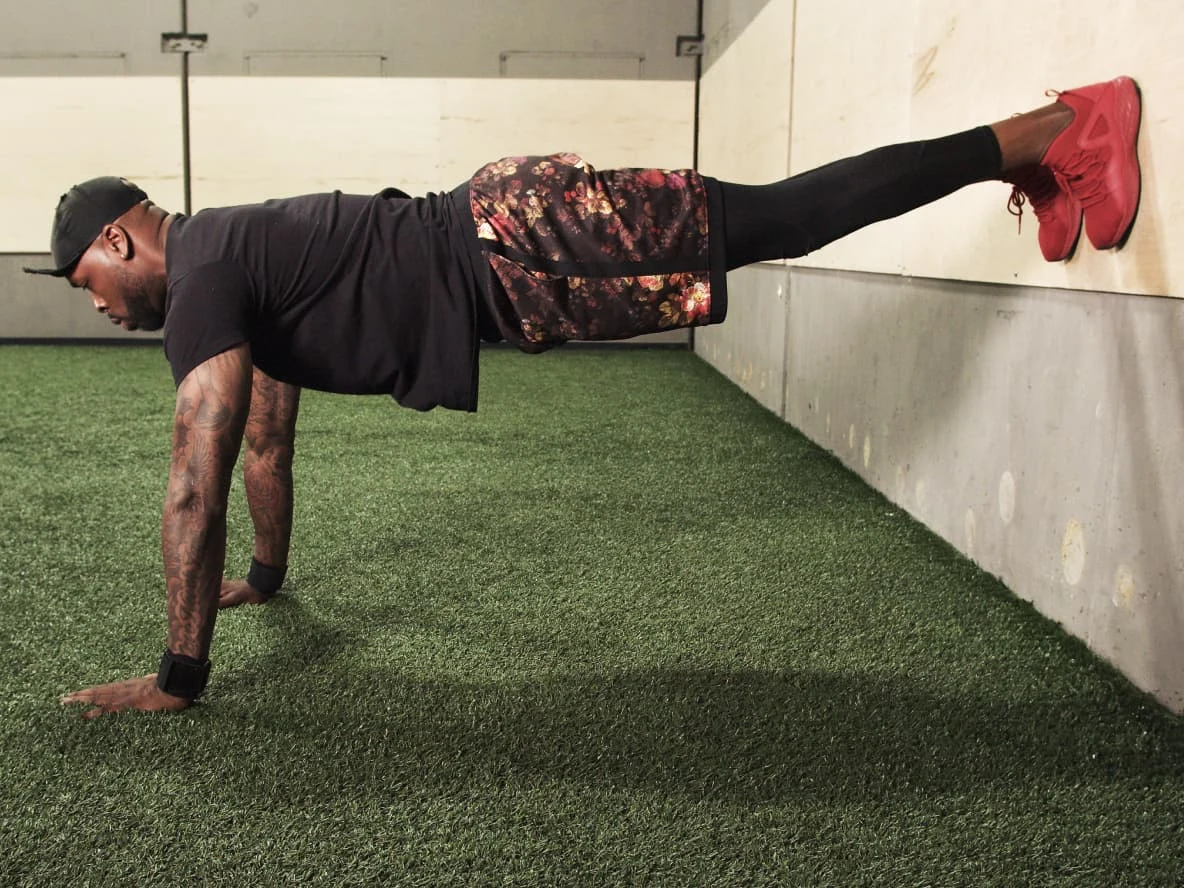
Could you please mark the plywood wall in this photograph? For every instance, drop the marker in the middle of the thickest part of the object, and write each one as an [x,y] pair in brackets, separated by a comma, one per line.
[862,75]
[255,138]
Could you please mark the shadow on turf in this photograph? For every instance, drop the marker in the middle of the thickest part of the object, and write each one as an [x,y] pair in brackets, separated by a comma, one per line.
[741,736]
[745,737]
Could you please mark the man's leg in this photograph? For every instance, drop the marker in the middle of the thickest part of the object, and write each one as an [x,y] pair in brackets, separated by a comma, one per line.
[1046,149]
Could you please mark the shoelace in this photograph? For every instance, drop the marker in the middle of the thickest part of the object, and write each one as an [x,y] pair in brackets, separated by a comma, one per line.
[1015,206]
[1034,192]
[1081,176]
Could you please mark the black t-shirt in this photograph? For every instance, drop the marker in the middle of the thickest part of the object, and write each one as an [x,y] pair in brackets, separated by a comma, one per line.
[342,293]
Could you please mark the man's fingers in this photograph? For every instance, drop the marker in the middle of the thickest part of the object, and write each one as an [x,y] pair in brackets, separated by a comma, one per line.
[86,697]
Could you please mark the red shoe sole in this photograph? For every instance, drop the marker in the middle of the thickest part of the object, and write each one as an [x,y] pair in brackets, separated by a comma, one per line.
[1127,111]
[1132,120]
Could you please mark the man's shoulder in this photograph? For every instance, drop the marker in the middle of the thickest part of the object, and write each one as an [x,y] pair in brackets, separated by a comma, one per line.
[213,273]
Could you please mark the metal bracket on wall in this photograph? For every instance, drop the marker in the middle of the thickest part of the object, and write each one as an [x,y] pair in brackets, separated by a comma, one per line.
[179,41]
[689,45]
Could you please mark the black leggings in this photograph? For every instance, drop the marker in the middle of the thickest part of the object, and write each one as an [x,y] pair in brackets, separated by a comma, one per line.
[798,215]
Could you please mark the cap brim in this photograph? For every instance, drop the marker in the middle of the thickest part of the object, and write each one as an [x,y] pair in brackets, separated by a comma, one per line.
[60,271]
[54,272]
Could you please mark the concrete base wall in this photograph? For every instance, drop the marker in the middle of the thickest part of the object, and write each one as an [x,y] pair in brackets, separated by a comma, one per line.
[38,307]
[1037,430]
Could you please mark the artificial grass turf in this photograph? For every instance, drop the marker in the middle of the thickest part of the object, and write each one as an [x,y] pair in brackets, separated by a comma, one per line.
[620,627]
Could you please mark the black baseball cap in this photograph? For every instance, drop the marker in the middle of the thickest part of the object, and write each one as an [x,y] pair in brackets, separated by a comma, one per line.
[81,214]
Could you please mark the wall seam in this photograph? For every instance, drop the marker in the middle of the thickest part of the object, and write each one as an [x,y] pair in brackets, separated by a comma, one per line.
[785,343]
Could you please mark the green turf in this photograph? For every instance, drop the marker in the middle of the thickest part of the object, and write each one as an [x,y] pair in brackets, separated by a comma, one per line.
[620,627]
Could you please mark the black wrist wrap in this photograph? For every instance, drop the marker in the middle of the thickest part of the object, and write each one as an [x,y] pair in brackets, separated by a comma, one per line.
[264,577]
[182,676]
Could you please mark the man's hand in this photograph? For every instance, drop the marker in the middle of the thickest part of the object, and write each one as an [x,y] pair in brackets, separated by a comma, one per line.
[120,696]
[236,592]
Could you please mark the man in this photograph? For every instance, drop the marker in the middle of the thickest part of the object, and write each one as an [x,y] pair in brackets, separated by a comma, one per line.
[388,294]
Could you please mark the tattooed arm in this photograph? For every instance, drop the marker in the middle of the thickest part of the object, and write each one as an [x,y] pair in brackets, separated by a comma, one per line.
[212,405]
[267,470]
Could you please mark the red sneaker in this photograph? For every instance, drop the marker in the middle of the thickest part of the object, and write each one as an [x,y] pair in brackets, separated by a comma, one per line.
[1096,159]
[1057,211]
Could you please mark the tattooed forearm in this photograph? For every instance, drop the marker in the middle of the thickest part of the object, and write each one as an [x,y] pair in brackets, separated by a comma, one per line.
[211,411]
[267,466]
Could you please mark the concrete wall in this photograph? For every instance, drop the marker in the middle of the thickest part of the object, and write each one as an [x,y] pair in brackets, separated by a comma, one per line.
[570,39]
[1031,414]
[296,97]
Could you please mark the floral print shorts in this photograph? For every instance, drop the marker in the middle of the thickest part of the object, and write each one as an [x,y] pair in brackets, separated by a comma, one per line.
[580,254]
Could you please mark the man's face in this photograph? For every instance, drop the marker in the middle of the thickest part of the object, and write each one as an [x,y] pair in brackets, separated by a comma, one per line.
[126,294]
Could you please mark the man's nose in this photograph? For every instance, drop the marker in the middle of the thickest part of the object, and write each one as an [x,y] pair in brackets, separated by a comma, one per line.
[99,306]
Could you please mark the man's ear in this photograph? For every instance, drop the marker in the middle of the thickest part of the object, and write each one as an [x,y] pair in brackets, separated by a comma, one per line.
[115,239]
